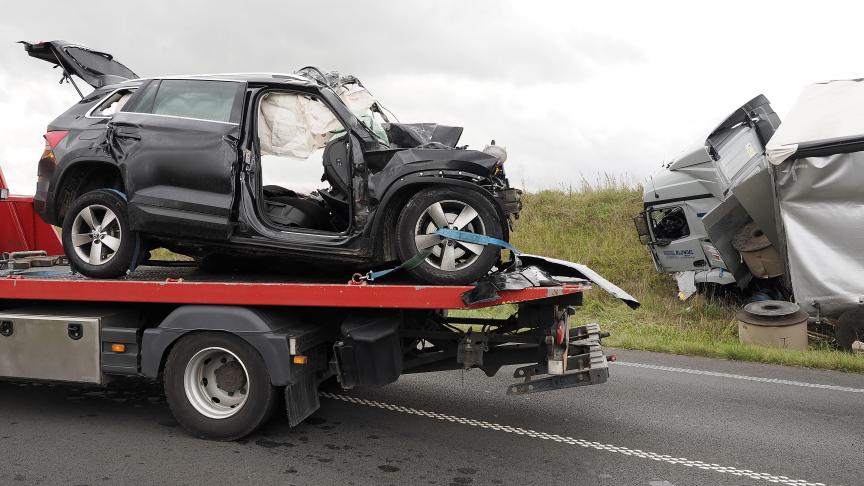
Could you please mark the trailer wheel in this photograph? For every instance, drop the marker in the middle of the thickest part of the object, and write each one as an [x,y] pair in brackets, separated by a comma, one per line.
[218,387]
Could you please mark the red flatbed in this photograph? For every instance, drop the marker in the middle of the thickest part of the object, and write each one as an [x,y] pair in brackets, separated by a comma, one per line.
[176,286]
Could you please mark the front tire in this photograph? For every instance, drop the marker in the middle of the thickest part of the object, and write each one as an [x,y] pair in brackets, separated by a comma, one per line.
[97,239]
[451,262]
[218,387]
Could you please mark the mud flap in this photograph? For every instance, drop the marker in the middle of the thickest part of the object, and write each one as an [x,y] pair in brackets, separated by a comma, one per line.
[301,399]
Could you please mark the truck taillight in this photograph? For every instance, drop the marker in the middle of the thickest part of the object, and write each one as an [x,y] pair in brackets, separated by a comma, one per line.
[54,138]
[560,333]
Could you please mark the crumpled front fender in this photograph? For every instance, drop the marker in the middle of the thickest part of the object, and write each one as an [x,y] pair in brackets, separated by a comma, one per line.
[539,271]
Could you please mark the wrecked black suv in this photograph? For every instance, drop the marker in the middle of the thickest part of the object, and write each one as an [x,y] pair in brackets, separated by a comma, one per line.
[189,163]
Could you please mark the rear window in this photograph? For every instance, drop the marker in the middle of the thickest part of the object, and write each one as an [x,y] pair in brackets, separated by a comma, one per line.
[99,63]
[205,100]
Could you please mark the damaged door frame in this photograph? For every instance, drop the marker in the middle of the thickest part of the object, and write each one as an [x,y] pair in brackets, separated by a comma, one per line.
[251,179]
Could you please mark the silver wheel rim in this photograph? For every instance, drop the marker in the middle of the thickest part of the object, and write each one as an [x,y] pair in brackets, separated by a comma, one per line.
[447,254]
[216,383]
[96,234]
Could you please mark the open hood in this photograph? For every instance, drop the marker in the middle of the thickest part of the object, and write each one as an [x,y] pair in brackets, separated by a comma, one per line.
[96,68]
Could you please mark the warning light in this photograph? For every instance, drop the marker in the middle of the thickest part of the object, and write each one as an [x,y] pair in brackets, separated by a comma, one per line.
[118,348]
[300,360]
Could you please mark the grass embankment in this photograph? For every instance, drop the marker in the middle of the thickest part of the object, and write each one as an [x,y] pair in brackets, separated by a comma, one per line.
[594,226]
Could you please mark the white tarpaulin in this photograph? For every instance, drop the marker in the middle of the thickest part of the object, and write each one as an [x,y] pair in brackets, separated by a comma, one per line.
[824,112]
[822,209]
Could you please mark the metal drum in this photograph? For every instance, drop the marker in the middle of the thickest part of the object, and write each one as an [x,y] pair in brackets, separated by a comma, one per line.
[773,323]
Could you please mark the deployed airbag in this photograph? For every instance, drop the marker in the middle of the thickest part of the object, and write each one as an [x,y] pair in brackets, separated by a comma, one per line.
[292,125]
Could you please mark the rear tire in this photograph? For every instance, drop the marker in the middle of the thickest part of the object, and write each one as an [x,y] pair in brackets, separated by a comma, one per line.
[452,262]
[218,386]
[96,235]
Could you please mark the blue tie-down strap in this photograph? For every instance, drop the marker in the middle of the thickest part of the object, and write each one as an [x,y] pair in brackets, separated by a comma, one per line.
[475,238]
[406,265]
[417,259]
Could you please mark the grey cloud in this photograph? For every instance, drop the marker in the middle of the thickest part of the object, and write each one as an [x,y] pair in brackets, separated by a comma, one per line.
[472,39]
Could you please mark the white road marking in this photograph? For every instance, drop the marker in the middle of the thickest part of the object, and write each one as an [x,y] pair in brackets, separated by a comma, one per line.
[741,377]
[577,442]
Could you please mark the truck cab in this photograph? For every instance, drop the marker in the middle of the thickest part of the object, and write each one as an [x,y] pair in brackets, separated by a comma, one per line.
[691,188]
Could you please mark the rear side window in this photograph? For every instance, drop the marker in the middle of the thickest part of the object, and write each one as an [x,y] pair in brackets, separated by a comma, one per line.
[143,102]
[112,104]
[205,100]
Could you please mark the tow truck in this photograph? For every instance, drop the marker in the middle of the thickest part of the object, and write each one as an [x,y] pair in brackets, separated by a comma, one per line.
[230,348]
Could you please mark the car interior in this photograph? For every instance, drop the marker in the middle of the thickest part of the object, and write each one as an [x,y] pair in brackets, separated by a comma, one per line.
[299,137]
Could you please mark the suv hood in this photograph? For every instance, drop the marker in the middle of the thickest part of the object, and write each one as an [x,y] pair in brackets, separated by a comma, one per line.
[96,68]
[411,135]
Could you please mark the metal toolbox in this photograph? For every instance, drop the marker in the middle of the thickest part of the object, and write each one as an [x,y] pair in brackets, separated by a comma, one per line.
[58,345]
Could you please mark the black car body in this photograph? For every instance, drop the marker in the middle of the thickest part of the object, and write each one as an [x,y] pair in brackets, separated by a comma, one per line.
[190,180]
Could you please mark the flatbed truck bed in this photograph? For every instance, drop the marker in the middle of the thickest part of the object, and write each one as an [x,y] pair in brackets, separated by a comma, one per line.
[159,285]
[229,346]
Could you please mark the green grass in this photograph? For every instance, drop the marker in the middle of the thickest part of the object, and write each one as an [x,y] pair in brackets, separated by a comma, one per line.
[168,256]
[593,225]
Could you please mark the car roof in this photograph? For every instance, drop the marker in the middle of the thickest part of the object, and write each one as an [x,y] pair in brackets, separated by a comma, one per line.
[264,78]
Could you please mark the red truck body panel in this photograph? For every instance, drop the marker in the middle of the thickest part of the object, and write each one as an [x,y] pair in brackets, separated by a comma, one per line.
[21,229]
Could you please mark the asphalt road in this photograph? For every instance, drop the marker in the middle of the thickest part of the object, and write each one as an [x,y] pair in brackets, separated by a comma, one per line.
[659,421]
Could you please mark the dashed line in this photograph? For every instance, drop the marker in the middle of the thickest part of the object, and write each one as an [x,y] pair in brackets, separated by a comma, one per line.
[741,377]
[576,442]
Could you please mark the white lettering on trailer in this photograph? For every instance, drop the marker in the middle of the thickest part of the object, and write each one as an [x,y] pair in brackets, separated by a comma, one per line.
[760,379]
[577,442]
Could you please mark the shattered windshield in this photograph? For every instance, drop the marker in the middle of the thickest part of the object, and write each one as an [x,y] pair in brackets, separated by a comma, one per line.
[356,98]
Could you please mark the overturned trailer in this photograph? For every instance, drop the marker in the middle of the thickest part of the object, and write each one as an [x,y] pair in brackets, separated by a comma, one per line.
[790,222]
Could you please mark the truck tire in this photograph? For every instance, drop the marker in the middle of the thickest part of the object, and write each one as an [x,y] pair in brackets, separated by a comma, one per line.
[97,239]
[218,386]
[850,328]
[452,262]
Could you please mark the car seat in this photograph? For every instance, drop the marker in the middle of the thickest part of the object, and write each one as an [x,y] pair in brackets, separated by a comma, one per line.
[337,172]
[287,208]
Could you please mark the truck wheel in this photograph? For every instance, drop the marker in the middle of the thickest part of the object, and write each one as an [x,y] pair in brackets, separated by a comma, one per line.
[218,387]
[96,235]
[850,328]
[451,262]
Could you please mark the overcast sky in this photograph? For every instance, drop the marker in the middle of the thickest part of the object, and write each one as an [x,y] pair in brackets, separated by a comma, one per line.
[572,89]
